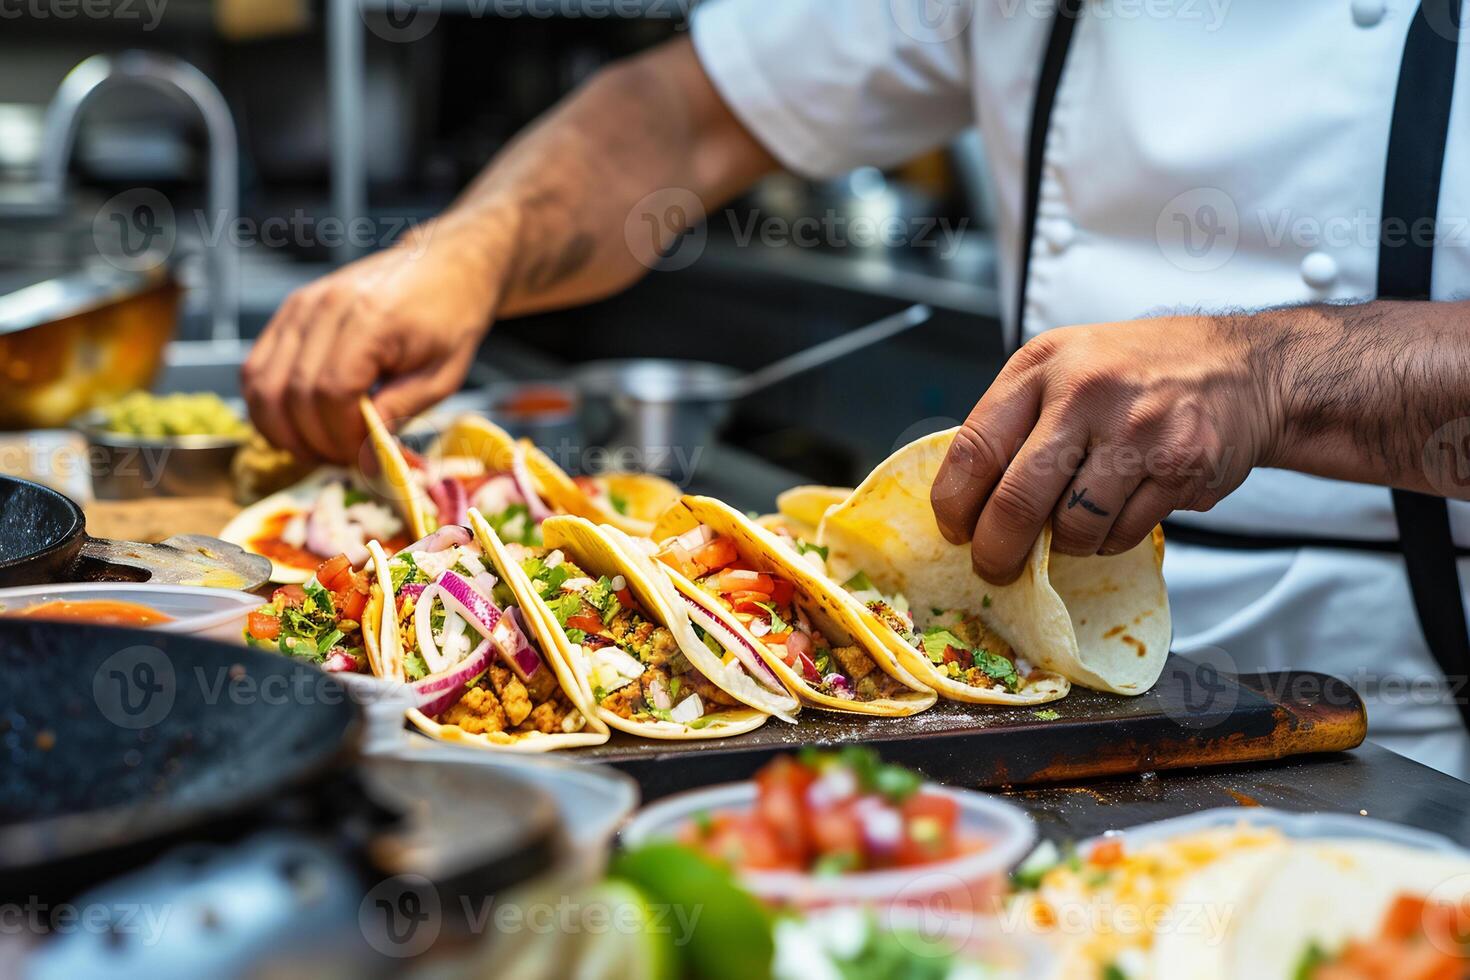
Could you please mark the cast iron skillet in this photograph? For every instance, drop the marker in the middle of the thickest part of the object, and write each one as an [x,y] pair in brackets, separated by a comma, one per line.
[43,539]
[115,741]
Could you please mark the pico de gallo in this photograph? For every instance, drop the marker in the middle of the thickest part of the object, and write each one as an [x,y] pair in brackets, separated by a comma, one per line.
[835,813]
[508,501]
[768,606]
[320,621]
[636,667]
[468,651]
[1418,940]
[340,520]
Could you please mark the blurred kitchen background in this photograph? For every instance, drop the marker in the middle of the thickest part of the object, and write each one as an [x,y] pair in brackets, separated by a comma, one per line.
[376,113]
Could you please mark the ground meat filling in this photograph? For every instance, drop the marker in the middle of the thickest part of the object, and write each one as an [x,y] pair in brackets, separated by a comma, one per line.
[500,702]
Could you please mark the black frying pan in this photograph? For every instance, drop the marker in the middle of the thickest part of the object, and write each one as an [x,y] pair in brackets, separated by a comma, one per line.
[43,539]
[113,741]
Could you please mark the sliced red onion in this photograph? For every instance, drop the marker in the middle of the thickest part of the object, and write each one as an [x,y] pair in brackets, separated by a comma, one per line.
[448,536]
[882,827]
[457,502]
[510,637]
[658,692]
[438,692]
[839,686]
[328,532]
[809,668]
[485,583]
[522,474]
[435,490]
[340,662]
[748,656]
[413,590]
[477,609]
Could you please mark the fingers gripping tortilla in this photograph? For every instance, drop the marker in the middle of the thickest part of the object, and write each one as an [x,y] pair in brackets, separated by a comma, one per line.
[637,659]
[1102,622]
[480,667]
[806,632]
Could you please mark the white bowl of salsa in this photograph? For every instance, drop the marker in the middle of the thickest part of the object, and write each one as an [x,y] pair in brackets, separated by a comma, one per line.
[976,840]
[214,613]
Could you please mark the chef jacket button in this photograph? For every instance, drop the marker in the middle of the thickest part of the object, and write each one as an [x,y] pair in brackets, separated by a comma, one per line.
[1367,13]
[1319,270]
[1058,233]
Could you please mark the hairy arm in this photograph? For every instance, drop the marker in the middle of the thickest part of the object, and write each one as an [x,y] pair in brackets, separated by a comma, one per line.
[1106,429]
[575,209]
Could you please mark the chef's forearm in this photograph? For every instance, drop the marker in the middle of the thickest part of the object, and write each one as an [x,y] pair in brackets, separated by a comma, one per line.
[550,216]
[1374,393]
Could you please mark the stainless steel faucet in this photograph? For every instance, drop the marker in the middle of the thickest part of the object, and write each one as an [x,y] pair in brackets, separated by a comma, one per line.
[171,76]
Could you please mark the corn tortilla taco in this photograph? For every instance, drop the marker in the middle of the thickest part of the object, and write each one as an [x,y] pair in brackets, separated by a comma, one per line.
[806,631]
[483,671]
[642,664]
[1102,622]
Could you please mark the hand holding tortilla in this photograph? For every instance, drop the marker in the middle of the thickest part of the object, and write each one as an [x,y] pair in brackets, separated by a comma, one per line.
[1102,622]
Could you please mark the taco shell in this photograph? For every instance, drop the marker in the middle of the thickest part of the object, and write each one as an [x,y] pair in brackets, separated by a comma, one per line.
[822,601]
[595,552]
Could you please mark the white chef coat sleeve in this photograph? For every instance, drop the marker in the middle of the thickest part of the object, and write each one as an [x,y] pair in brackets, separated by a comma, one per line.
[828,85]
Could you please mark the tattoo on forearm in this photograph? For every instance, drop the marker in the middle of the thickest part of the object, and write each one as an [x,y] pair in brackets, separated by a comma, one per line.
[1079,499]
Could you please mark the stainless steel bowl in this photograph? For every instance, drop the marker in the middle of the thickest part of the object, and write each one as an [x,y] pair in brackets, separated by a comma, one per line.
[128,467]
[664,411]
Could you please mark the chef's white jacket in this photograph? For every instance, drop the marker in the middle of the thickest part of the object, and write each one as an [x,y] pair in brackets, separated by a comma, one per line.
[1202,155]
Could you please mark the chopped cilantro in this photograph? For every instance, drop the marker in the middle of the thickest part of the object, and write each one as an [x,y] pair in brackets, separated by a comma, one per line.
[998,668]
[352,496]
[778,625]
[985,602]
[1046,714]
[1312,957]
[514,524]
[564,607]
[802,547]
[937,639]
[403,569]
[1112,972]
[619,503]
[836,863]
[600,596]
[859,583]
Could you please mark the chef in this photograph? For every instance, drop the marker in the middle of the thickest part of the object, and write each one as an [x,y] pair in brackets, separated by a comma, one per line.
[1222,224]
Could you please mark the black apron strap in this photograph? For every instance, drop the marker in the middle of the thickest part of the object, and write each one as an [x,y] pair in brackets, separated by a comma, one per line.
[1057,45]
[1416,144]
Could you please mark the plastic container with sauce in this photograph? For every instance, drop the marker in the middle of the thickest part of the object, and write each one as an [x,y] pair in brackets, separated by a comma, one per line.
[217,614]
[969,884]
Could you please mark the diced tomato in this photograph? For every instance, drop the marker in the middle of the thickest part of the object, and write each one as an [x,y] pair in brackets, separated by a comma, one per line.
[745,842]
[799,643]
[350,604]
[586,621]
[929,822]
[289,595]
[335,574]
[677,557]
[782,591]
[954,655]
[733,580]
[716,554]
[587,485]
[625,596]
[837,831]
[1107,853]
[1405,917]
[781,804]
[749,602]
[263,626]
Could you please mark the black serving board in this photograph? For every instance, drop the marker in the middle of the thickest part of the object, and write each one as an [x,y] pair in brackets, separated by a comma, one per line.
[1194,716]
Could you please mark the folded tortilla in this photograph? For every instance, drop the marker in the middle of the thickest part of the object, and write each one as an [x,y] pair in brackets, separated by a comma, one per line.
[800,509]
[820,600]
[381,636]
[1102,622]
[595,551]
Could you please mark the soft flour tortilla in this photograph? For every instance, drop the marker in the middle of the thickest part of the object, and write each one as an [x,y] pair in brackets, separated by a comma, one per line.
[822,601]
[397,476]
[590,548]
[800,509]
[1102,622]
[298,498]
[385,657]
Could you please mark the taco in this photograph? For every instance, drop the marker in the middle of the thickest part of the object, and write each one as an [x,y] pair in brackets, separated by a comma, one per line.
[479,664]
[642,663]
[800,509]
[1102,622]
[806,631]
[321,619]
[514,485]
[333,511]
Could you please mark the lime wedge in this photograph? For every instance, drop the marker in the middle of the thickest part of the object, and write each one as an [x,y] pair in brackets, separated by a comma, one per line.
[722,932]
[630,944]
